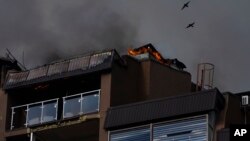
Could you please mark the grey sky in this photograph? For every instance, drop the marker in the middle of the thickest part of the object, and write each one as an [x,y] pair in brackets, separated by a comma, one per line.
[50,29]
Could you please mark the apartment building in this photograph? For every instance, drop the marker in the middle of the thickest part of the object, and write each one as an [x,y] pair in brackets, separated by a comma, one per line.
[108,97]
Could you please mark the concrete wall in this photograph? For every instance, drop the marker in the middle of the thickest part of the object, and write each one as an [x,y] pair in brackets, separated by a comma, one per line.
[126,83]
[234,114]
[165,81]
[5,66]
[146,80]
[104,104]
[3,107]
[231,114]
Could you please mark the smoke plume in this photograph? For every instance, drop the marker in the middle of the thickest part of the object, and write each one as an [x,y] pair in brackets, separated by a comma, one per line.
[47,30]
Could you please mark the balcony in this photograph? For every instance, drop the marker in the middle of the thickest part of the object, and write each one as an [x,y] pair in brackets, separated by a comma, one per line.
[44,112]
[82,103]
[34,113]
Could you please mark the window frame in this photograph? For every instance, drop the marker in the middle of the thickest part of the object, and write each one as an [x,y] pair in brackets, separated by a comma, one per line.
[151,126]
[130,129]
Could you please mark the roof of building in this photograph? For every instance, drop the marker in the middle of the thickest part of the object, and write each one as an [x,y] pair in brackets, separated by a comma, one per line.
[4,60]
[61,69]
[243,93]
[10,63]
[148,111]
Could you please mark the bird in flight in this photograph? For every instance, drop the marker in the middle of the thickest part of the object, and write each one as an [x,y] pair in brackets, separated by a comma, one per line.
[185,5]
[190,25]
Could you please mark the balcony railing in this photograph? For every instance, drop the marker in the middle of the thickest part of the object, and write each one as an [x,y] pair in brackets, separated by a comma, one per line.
[47,111]
[34,113]
[82,103]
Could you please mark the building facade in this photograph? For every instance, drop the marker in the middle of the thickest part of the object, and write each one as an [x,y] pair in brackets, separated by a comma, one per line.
[108,97]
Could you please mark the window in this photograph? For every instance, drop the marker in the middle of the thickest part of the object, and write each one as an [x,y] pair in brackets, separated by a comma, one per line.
[183,130]
[135,134]
[189,129]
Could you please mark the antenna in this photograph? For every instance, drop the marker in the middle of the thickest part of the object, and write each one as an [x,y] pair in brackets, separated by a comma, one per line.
[12,58]
[23,58]
[205,76]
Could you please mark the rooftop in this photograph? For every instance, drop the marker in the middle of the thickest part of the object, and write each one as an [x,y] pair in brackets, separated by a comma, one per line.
[66,68]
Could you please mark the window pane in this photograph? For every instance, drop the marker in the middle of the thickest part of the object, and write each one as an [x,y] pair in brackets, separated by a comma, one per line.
[34,114]
[72,106]
[90,103]
[49,111]
[184,130]
[138,134]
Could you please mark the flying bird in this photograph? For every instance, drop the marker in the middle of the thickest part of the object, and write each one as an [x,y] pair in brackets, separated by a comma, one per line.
[185,5]
[190,25]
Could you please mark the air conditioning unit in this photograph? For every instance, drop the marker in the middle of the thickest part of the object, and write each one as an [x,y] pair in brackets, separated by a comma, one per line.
[244,100]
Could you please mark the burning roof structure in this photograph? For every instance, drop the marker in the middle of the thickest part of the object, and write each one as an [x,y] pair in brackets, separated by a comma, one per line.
[61,69]
[81,65]
[150,49]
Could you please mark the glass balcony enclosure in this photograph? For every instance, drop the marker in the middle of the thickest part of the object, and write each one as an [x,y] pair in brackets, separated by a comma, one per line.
[47,111]
[34,113]
[82,103]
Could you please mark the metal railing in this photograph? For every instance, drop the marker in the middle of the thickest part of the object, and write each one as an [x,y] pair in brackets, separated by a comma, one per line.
[34,113]
[47,111]
[82,103]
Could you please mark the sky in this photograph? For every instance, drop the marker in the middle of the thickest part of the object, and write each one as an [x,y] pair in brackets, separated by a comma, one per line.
[40,31]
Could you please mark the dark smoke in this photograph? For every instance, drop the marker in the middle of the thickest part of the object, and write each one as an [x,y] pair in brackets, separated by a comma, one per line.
[47,30]
[221,35]
[52,29]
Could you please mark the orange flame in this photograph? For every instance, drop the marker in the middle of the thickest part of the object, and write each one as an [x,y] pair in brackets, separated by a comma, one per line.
[152,51]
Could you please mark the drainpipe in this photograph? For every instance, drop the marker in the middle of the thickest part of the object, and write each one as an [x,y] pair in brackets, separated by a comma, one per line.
[32,137]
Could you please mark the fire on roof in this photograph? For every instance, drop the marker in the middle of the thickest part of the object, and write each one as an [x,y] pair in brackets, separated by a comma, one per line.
[150,49]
